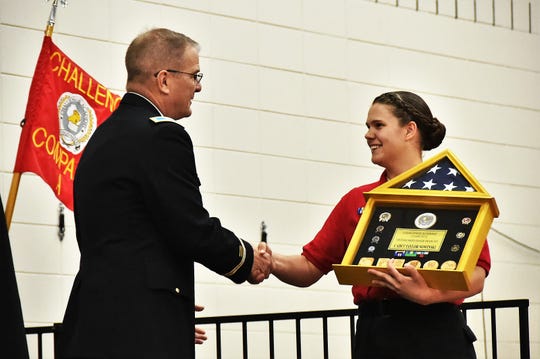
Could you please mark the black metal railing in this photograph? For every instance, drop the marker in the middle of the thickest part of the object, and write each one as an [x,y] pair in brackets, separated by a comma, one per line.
[523,313]
[271,318]
[39,333]
[521,304]
[492,11]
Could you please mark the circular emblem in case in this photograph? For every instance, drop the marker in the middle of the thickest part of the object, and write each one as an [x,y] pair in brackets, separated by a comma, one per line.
[432,264]
[448,265]
[383,262]
[366,261]
[425,220]
[415,263]
[385,217]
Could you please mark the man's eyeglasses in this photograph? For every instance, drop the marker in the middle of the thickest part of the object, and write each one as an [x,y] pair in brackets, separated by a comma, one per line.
[196,76]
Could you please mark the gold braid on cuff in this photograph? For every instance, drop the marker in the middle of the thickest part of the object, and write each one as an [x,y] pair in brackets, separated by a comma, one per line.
[242,254]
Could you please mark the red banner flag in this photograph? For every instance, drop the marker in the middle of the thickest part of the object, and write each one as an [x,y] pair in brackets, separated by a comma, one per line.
[65,106]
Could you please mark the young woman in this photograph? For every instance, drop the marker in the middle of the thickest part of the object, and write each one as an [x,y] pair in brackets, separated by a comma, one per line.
[400,316]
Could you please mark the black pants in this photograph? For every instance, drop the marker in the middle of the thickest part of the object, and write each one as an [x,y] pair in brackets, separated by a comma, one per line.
[400,329]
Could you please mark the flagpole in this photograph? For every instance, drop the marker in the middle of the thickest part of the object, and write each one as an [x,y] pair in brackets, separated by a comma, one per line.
[52,17]
[16,179]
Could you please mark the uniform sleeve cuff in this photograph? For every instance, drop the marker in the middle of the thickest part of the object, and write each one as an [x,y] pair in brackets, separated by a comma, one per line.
[242,269]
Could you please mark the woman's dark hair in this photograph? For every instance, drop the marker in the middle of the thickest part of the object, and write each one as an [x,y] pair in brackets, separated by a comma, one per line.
[407,106]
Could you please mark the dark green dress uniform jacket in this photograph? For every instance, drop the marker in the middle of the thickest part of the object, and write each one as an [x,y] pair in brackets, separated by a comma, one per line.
[140,226]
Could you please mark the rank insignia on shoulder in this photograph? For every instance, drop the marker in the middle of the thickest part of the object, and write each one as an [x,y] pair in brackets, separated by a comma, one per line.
[159,119]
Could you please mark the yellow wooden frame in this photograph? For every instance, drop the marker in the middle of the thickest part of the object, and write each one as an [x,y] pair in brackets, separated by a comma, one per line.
[391,194]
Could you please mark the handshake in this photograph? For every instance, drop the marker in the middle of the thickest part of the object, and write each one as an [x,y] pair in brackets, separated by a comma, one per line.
[262,263]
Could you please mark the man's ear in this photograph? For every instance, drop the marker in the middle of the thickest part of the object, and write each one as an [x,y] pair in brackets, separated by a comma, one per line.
[162,82]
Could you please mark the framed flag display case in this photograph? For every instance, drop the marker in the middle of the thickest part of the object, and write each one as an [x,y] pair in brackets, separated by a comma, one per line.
[435,216]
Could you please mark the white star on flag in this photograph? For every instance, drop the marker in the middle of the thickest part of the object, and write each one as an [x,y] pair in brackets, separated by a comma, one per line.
[429,184]
[409,184]
[449,187]
[434,169]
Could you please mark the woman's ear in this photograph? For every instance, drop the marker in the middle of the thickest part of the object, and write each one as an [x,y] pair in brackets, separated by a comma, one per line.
[411,130]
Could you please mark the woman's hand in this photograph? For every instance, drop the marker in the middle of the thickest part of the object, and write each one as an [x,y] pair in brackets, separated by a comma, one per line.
[409,284]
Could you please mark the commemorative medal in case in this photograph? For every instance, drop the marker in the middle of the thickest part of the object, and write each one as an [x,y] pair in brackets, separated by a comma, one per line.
[435,217]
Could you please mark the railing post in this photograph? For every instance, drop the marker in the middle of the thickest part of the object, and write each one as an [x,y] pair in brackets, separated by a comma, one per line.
[218,340]
[325,337]
[493,333]
[271,338]
[524,347]
[244,340]
[351,332]
[493,12]
[530,26]
[512,14]
[57,333]
[298,340]
[40,345]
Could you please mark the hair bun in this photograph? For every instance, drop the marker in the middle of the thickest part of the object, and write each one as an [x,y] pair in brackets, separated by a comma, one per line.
[433,134]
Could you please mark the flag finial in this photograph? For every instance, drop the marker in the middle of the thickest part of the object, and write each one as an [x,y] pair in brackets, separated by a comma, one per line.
[52,16]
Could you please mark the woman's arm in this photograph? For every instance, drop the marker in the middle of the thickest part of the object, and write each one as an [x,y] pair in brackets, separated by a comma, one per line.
[295,270]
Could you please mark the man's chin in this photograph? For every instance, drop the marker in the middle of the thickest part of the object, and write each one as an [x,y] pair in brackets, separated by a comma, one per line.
[184,115]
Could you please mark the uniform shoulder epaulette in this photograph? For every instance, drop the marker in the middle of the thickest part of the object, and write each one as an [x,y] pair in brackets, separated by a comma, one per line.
[161,119]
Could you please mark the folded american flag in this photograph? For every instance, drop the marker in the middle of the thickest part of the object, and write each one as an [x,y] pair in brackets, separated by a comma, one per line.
[443,176]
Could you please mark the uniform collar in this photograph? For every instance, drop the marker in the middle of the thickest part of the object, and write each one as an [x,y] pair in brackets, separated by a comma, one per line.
[128,96]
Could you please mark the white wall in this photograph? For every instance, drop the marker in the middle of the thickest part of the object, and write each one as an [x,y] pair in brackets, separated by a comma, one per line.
[278,130]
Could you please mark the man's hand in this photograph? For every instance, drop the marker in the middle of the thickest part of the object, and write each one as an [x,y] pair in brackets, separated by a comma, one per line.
[262,264]
[200,334]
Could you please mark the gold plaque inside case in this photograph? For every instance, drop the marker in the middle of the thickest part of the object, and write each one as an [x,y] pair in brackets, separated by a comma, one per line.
[441,233]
